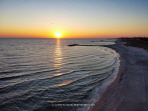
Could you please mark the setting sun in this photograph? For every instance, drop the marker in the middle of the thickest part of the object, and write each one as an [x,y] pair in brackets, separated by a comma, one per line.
[58,34]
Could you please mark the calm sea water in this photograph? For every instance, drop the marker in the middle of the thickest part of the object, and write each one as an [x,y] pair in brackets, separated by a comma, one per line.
[46,74]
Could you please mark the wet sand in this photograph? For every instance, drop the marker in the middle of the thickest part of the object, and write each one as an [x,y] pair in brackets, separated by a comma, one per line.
[129,91]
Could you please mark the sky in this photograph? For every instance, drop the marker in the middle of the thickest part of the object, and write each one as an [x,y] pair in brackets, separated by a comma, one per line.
[73,18]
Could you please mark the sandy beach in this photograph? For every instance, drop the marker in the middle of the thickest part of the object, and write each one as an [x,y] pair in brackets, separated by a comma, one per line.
[129,91]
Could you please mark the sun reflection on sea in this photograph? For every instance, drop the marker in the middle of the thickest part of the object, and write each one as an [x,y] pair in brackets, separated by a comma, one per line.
[58,55]
[66,83]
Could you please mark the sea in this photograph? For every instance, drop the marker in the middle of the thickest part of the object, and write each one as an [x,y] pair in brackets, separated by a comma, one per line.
[42,74]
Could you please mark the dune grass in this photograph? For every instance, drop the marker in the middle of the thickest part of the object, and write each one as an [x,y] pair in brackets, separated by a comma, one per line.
[141,42]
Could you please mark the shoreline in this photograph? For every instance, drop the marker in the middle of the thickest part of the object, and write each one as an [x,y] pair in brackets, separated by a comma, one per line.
[112,87]
[128,91]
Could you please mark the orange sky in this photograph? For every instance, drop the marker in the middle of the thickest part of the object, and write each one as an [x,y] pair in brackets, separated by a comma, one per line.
[74,19]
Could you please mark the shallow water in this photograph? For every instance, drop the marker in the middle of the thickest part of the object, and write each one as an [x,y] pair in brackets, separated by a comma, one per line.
[40,74]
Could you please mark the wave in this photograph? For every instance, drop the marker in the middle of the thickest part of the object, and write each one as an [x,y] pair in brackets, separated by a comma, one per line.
[22,75]
[14,86]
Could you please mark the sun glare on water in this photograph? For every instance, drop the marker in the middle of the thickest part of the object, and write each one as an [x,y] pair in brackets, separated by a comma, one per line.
[58,34]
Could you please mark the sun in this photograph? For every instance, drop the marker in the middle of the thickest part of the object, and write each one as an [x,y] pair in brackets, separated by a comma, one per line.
[58,34]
